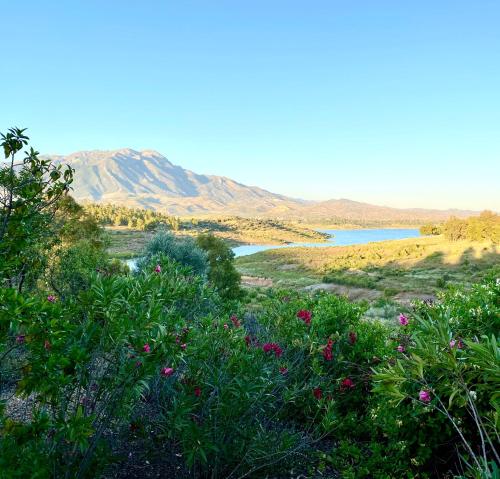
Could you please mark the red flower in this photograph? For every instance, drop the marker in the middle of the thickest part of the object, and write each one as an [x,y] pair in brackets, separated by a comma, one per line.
[327,351]
[197,391]
[235,321]
[347,383]
[248,340]
[268,347]
[183,346]
[318,393]
[283,370]
[146,348]
[305,315]
[158,269]
[353,337]
[226,326]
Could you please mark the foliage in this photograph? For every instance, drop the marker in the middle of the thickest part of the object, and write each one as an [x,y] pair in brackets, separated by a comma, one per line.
[449,374]
[183,250]
[29,194]
[430,229]
[132,217]
[88,364]
[485,227]
[222,273]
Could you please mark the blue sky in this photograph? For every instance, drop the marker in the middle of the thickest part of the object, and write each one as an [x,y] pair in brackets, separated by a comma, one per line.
[389,102]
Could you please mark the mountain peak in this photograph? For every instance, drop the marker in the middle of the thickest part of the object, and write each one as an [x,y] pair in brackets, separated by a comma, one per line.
[147,179]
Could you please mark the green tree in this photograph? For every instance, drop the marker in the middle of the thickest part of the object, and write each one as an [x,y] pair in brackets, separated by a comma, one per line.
[30,191]
[222,274]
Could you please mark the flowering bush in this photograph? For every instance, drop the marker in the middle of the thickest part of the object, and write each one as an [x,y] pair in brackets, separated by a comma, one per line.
[449,374]
[80,368]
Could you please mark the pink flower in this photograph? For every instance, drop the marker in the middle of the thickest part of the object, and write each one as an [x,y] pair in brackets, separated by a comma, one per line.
[226,326]
[317,393]
[197,391]
[401,348]
[51,298]
[347,383]
[167,372]
[403,320]
[452,343]
[424,396]
[235,321]
[283,370]
[158,269]
[20,339]
[353,337]
[305,315]
[460,344]
[146,348]
[183,346]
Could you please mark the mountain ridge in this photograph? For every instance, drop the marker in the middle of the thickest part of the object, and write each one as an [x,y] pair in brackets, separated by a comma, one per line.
[147,179]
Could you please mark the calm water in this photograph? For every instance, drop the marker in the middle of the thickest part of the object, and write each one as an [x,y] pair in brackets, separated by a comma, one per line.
[338,238]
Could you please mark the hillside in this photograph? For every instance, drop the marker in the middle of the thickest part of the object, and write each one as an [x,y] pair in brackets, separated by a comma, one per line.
[147,179]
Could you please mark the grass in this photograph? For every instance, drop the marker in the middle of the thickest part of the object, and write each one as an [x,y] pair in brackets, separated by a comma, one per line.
[398,269]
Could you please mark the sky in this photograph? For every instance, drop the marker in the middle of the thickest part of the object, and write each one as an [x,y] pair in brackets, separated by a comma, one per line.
[389,102]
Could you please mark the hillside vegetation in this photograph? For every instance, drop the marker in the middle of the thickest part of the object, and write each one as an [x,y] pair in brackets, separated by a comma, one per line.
[419,266]
[129,229]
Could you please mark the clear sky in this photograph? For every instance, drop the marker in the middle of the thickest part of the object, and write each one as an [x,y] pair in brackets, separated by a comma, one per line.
[389,102]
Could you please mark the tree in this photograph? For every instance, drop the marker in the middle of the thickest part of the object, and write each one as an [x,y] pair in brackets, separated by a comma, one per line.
[222,273]
[30,191]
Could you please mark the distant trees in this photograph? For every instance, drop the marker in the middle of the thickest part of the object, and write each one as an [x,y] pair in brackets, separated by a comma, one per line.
[430,229]
[132,217]
[485,227]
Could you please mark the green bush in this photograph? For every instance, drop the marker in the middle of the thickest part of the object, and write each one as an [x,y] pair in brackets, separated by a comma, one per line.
[89,364]
[446,382]
[183,250]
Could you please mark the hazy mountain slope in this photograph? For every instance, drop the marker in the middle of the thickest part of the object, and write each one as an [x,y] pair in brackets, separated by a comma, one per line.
[147,179]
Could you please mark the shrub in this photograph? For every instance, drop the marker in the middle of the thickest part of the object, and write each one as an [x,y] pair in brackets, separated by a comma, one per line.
[446,383]
[88,364]
[183,250]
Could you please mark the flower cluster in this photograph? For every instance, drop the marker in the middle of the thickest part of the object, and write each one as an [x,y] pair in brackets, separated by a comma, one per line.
[347,384]
[424,396]
[236,322]
[327,351]
[268,347]
[305,315]
[403,320]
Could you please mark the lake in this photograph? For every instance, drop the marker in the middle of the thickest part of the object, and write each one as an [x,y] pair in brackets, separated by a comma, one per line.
[339,238]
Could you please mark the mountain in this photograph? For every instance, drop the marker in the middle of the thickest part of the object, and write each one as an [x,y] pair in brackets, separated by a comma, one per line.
[146,179]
